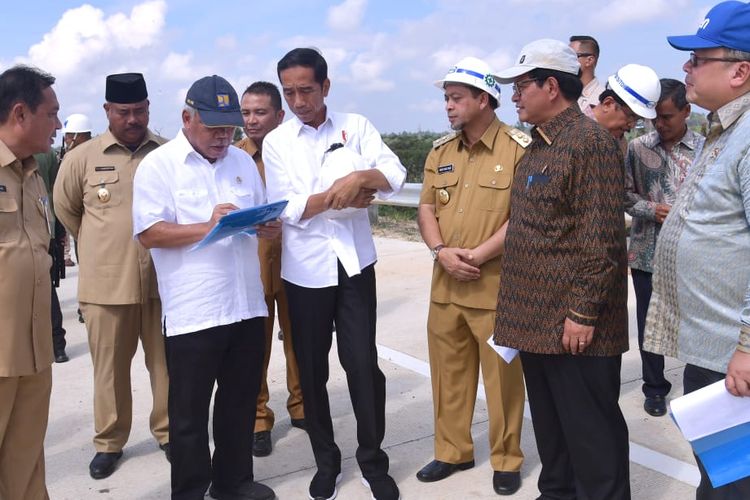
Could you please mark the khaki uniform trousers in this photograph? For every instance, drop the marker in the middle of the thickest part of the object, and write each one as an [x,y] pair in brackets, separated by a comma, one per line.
[24,407]
[264,416]
[114,331]
[457,342]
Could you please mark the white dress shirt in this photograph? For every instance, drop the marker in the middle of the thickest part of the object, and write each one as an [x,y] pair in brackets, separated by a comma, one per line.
[218,284]
[293,154]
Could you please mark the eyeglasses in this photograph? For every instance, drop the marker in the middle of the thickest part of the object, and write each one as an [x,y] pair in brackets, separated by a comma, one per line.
[695,60]
[584,54]
[519,86]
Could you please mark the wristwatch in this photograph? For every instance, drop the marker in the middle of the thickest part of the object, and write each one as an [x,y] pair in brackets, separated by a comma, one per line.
[435,251]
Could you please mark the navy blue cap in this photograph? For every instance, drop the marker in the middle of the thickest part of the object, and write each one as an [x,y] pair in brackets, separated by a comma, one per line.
[726,25]
[216,102]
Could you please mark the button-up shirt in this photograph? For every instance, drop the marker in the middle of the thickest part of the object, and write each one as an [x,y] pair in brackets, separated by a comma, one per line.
[477,183]
[293,154]
[653,176]
[590,96]
[218,284]
[93,200]
[26,332]
[565,246]
[700,306]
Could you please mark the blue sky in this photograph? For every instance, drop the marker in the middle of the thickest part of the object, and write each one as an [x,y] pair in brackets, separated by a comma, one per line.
[383,54]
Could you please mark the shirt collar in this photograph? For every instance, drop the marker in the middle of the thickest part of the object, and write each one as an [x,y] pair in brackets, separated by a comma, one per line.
[248,146]
[689,139]
[549,130]
[731,111]
[489,136]
[109,140]
[590,87]
[7,158]
[184,148]
[298,125]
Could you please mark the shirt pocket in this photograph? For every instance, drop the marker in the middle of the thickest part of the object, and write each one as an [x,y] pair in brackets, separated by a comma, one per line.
[193,205]
[104,190]
[445,187]
[10,230]
[242,196]
[493,193]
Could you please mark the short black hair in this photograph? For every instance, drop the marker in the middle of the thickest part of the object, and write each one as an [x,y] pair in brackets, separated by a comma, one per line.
[570,84]
[675,90]
[266,88]
[588,42]
[22,84]
[476,92]
[307,58]
[608,92]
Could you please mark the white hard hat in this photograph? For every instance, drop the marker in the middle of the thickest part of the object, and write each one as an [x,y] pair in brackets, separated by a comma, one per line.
[76,124]
[337,164]
[639,87]
[475,73]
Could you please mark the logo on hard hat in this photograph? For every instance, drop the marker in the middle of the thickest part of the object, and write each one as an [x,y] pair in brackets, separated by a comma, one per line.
[523,58]
[704,24]
[453,70]
[489,80]
[222,100]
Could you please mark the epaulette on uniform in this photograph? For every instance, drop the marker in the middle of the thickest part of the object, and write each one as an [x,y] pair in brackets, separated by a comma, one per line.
[442,140]
[521,137]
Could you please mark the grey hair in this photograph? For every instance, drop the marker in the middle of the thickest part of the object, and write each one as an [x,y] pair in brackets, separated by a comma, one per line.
[738,54]
[191,110]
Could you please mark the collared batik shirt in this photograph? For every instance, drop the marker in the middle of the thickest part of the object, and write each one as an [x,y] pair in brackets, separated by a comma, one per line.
[700,305]
[652,176]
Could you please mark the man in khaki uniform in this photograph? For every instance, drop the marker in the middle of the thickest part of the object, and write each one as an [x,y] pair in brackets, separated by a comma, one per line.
[117,284]
[261,113]
[28,120]
[463,208]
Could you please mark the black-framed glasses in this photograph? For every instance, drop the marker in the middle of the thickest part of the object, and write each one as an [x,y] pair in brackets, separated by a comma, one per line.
[584,54]
[695,60]
[519,86]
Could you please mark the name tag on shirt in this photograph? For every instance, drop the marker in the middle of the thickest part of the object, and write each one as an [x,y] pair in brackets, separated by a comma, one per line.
[3,189]
[445,169]
[104,169]
[537,180]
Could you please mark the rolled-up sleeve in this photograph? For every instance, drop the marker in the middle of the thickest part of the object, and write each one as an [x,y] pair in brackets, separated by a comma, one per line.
[377,153]
[152,202]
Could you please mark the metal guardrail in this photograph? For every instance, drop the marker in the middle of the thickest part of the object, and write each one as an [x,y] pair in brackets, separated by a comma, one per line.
[407,197]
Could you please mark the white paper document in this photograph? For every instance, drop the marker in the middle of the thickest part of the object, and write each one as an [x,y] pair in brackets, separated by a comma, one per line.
[507,353]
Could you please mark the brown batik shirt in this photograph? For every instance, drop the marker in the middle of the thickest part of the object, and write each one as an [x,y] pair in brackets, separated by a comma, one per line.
[565,251]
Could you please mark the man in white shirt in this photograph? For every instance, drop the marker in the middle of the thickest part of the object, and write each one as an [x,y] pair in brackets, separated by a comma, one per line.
[327,262]
[587,51]
[213,310]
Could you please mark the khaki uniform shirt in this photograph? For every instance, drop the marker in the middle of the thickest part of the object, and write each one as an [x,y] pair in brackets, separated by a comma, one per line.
[269,251]
[25,294]
[470,188]
[93,200]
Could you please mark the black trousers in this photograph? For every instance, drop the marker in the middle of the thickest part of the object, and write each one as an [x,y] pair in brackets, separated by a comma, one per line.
[695,378]
[652,365]
[232,357]
[352,305]
[580,432]
[58,332]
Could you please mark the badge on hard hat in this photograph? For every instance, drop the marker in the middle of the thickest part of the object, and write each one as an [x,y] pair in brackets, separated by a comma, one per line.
[103,194]
[444,196]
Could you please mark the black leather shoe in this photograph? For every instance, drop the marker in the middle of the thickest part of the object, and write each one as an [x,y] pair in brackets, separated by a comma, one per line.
[103,464]
[262,444]
[506,483]
[655,406]
[60,356]
[437,470]
[249,491]
[165,448]
[299,423]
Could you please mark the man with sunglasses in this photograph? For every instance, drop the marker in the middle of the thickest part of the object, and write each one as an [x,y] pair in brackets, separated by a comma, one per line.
[587,50]
[700,306]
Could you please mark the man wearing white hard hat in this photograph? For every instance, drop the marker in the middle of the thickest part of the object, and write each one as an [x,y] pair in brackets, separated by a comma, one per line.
[631,93]
[563,295]
[463,207]
[76,130]
[700,306]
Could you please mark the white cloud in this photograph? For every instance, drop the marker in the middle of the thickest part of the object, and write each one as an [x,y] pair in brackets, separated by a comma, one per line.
[347,15]
[179,67]
[617,12]
[84,36]
[366,71]
[226,42]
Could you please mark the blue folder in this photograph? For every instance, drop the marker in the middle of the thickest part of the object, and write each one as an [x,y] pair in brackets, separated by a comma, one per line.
[242,221]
